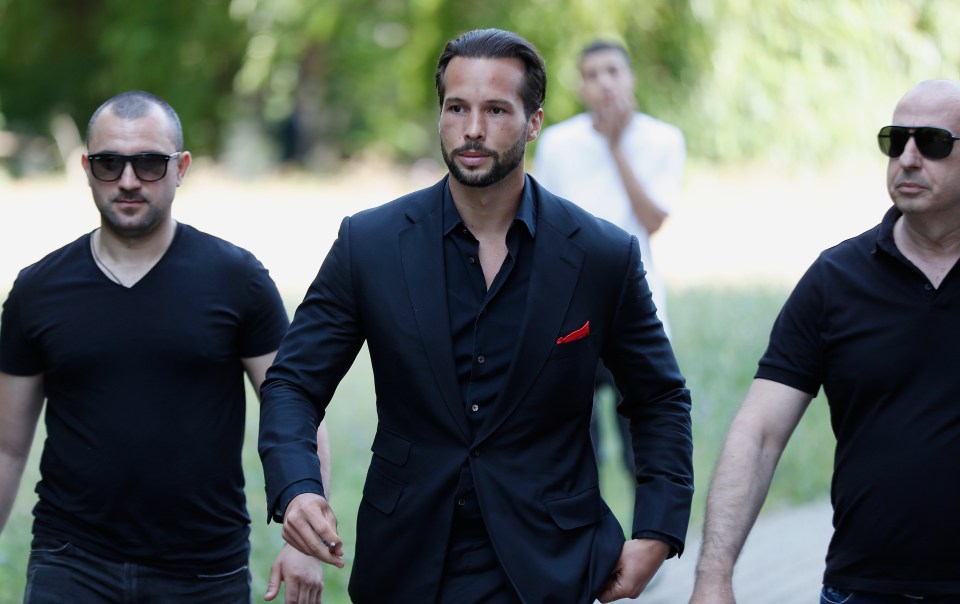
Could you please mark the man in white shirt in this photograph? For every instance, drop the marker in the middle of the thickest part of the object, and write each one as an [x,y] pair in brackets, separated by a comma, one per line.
[616,163]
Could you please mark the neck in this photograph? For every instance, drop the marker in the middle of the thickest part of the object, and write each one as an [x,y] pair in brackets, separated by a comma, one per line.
[931,236]
[933,248]
[126,260]
[489,209]
[133,249]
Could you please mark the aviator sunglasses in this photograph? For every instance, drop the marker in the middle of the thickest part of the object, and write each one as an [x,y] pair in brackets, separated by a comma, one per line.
[149,167]
[933,143]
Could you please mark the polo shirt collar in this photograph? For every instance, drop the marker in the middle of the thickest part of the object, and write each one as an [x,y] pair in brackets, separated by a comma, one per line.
[885,241]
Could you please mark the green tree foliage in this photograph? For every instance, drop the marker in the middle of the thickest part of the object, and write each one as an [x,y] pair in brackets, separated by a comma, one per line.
[744,79]
[364,69]
[805,80]
[64,56]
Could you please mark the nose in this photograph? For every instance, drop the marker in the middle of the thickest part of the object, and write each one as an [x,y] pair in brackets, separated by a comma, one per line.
[910,158]
[476,126]
[606,82]
[128,178]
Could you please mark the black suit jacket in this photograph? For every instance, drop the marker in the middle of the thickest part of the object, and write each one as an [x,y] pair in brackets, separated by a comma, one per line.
[534,469]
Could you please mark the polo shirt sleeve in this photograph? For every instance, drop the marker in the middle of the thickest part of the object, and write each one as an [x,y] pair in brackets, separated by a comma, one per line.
[794,355]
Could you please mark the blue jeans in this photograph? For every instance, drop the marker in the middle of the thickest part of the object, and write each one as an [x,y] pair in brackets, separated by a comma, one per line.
[62,572]
[830,595]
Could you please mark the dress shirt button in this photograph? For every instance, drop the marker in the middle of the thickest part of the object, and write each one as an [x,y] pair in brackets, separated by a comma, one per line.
[475,452]
[471,260]
[475,407]
[481,359]
[927,287]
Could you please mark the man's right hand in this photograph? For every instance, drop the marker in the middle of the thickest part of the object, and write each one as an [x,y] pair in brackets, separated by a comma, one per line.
[310,526]
[612,117]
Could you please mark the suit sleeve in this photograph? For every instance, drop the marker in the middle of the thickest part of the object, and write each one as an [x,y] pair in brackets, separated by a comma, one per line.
[657,403]
[324,338]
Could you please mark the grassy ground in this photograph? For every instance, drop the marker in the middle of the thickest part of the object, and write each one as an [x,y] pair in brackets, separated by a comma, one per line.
[719,332]
[732,248]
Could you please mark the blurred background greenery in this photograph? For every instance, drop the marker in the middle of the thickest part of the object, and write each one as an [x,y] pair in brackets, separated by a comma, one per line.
[314,83]
[322,87]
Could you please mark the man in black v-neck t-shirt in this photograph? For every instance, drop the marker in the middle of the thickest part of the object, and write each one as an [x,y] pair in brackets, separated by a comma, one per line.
[138,336]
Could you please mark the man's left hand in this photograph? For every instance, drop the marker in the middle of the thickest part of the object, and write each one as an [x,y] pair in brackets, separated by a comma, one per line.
[639,561]
[302,573]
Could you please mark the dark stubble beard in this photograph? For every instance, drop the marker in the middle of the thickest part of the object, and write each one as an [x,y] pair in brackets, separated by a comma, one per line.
[114,221]
[502,165]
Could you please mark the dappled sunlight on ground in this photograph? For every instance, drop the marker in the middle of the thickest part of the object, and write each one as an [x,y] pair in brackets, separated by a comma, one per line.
[743,226]
[764,225]
[749,226]
[287,220]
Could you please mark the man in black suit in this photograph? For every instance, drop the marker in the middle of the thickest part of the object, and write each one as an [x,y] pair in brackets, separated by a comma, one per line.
[485,302]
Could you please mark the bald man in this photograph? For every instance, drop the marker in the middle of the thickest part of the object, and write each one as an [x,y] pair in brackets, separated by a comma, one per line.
[873,322]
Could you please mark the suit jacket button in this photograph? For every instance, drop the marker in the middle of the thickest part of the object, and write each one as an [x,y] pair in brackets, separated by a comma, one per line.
[475,452]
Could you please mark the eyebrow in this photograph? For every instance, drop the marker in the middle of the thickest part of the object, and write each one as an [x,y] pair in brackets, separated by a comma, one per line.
[455,99]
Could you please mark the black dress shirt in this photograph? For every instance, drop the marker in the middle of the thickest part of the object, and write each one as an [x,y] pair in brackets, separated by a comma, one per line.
[484,323]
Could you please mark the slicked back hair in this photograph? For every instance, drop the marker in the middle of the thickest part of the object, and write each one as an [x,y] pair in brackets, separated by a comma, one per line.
[601,45]
[135,104]
[498,44]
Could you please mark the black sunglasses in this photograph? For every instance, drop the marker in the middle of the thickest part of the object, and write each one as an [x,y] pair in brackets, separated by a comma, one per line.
[933,143]
[149,167]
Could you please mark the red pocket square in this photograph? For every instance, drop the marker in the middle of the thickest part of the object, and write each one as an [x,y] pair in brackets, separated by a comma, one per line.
[576,334]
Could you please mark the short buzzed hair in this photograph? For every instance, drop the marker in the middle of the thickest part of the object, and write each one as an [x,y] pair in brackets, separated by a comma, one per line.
[498,44]
[135,104]
[601,45]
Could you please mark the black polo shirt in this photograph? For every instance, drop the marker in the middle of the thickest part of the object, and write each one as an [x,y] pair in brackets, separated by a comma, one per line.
[485,323]
[868,326]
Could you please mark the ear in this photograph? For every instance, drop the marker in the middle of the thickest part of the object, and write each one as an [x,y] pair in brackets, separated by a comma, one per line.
[85,162]
[183,162]
[534,125]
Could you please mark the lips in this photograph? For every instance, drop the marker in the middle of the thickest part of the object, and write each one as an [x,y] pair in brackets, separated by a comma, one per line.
[472,158]
[473,154]
[910,187]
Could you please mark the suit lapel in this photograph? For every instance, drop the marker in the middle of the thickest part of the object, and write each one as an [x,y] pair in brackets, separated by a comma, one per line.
[556,269]
[421,255]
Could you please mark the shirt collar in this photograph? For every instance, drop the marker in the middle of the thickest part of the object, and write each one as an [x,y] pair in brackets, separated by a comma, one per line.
[885,240]
[526,212]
